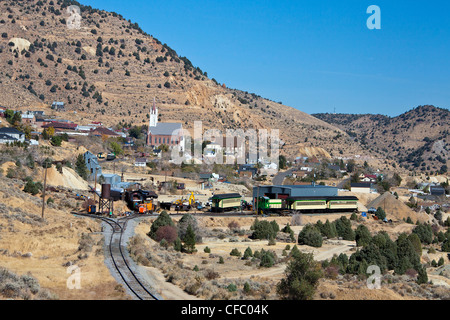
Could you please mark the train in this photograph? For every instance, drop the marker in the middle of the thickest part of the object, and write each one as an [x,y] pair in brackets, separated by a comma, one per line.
[143,201]
[265,205]
[291,205]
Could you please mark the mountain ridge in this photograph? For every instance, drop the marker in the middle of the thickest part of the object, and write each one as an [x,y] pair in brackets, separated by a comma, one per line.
[418,139]
[110,70]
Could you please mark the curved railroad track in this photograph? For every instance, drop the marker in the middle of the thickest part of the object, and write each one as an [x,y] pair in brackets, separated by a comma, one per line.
[119,259]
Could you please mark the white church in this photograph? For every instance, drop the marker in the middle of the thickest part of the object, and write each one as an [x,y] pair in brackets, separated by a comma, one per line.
[170,134]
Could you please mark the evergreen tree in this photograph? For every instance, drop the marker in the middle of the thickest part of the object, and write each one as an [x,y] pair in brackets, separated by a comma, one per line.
[362,236]
[189,240]
[380,214]
[267,259]
[407,257]
[422,276]
[414,239]
[310,236]
[329,230]
[248,253]
[81,168]
[344,229]
[163,220]
[301,280]
[425,233]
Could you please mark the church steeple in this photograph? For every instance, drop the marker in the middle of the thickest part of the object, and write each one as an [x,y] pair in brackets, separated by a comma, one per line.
[153,115]
[153,120]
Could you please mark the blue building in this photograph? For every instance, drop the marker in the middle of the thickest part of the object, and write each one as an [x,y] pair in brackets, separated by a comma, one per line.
[92,165]
[284,192]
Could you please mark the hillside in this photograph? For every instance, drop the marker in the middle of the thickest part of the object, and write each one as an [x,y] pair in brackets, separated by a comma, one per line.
[110,70]
[418,139]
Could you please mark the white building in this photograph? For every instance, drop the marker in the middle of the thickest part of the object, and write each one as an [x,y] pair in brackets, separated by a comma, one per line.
[12,133]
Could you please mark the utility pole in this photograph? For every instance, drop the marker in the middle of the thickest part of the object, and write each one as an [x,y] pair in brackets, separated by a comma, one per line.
[43,192]
[95,186]
[257,201]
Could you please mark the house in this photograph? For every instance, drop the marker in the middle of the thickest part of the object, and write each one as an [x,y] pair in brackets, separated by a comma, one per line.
[140,162]
[92,165]
[107,178]
[60,126]
[364,187]
[129,142]
[334,167]
[28,118]
[227,146]
[13,133]
[244,168]
[437,191]
[38,113]
[4,138]
[104,132]
[313,160]
[299,174]
[58,106]
[205,176]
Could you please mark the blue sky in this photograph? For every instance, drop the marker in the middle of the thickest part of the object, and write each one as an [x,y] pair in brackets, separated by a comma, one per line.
[312,55]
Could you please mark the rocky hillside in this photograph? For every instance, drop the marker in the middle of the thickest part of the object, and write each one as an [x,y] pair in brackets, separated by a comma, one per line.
[110,70]
[418,139]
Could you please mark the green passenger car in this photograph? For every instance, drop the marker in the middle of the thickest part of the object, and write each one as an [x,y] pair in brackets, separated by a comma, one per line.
[226,202]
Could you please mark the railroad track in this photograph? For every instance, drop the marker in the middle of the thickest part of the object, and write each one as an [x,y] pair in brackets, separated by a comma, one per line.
[119,259]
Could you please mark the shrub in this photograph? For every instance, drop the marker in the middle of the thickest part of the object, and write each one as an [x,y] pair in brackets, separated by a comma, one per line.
[232,287]
[32,187]
[267,259]
[177,246]
[186,221]
[233,225]
[264,229]
[163,220]
[56,141]
[297,220]
[380,213]
[310,236]
[235,252]
[301,280]
[207,250]
[168,233]
[248,253]
[331,272]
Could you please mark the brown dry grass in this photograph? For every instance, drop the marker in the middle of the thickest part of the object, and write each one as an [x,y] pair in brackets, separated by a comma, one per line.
[45,248]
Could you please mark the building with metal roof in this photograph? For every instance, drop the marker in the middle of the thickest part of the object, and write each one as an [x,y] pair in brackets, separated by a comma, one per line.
[290,191]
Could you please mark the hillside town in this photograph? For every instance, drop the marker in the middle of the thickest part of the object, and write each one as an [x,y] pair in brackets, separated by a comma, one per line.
[127,173]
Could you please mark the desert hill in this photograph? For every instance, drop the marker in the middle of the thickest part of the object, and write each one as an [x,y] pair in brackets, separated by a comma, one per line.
[110,70]
[396,209]
[418,139]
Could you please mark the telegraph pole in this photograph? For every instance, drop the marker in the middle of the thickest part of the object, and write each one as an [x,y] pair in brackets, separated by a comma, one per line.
[43,192]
